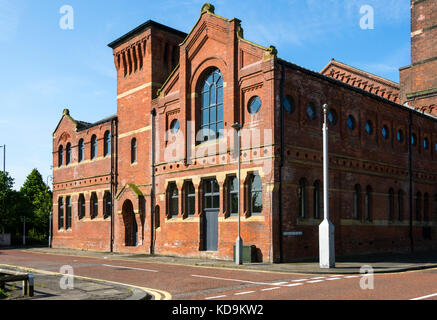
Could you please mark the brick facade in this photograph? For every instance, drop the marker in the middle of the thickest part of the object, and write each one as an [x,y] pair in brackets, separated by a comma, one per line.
[169,189]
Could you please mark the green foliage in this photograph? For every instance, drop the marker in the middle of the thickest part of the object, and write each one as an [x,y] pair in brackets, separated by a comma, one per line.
[33,201]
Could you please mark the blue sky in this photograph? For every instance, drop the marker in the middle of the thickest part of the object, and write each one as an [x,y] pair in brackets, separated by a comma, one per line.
[46,69]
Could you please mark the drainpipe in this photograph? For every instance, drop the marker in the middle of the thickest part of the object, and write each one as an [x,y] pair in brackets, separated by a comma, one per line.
[282,84]
[152,192]
[113,125]
[410,173]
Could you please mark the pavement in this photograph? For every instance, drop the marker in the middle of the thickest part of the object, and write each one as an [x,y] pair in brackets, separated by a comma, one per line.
[47,284]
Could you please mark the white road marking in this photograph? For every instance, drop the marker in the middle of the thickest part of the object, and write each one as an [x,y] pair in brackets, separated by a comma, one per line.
[425,297]
[300,280]
[330,279]
[316,278]
[294,284]
[315,281]
[350,277]
[217,297]
[279,283]
[122,267]
[269,289]
[241,293]
[235,280]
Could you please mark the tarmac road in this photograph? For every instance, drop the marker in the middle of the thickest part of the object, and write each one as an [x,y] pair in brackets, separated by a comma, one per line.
[187,282]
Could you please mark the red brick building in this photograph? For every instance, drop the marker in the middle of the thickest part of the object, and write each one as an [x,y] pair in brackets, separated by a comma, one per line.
[160,175]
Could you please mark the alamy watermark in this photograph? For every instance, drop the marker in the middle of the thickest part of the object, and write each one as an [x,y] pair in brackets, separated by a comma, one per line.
[67,280]
[67,20]
[367,21]
[367,280]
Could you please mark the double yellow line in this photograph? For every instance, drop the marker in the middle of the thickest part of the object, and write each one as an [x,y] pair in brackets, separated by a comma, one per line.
[156,294]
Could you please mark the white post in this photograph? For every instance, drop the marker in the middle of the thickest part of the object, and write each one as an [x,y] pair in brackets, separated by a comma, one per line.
[326,228]
[239,241]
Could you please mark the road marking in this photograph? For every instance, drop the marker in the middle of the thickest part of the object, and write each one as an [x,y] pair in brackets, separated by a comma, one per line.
[241,293]
[425,297]
[279,283]
[217,297]
[317,278]
[315,281]
[350,277]
[235,280]
[269,289]
[300,280]
[122,267]
[294,284]
[330,279]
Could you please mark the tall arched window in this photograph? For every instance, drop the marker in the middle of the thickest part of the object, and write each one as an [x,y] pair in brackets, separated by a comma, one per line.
[256,195]
[107,144]
[316,200]
[391,205]
[368,203]
[94,206]
[173,200]
[400,205]
[93,147]
[81,147]
[68,212]
[426,207]
[60,156]
[419,206]
[233,196]
[107,206]
[68,154]
[357,202]
[81,206]
[60,213]
[302,198]
[211,106]
[190,198]
[133,151]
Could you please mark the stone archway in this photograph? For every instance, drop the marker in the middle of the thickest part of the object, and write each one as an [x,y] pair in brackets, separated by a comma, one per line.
[130,225]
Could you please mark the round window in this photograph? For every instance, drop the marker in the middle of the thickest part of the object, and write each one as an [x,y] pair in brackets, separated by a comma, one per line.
[174,126]
[288,104]
[332,117]
[400,136]
[413,139]
[385,132]
[254,105]
[369,127]
[426,143]
[351,122]
[311,111]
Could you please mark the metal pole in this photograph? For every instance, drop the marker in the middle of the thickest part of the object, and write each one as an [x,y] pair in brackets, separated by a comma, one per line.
[326,228]
[4,158]
[239,241]
[24,230]
[50,229]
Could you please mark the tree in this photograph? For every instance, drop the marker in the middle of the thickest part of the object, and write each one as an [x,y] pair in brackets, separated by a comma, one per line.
[6,184]
[39,197]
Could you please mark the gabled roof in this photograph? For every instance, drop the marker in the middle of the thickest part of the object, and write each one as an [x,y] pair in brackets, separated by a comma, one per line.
[82,125]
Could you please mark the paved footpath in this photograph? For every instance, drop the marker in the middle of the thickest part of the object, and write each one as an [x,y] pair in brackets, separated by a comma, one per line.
[194,279]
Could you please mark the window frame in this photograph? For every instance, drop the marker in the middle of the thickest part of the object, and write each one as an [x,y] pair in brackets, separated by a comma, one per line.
[93,149]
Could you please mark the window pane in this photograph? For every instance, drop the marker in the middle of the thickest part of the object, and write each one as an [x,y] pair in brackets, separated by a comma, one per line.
[257,202]
[234,203]
[212,115]
[213,92]
[205,99]
[216,202]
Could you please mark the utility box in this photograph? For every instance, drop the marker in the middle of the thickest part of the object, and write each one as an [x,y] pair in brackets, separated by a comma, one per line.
[249,254]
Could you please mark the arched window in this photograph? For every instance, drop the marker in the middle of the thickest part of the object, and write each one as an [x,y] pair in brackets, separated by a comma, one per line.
[256,195]
[157,218]
[400,205]
[233,196]
[81,147]
[357,202]
[107,144]
[68,212]
[94,206]
[391,204]
[93,147]
[60,156]
[107,207]
[173,200]
[81,206]
[302,198]
[68,154]
[368,203]
[426,207]
[60,213]
[418,206]
[316,200]
[211,106]
[190,199]
[133,150]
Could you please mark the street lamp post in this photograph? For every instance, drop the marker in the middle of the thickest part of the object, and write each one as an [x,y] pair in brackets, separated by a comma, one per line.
[326,228]
[239,241]
[4,171]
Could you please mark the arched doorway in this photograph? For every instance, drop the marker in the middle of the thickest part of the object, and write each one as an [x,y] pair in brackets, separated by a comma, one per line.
[130,225]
